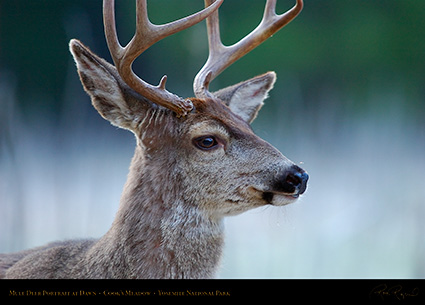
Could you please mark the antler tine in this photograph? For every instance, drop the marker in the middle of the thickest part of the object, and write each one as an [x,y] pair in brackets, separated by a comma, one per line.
[220,56]
[145,36]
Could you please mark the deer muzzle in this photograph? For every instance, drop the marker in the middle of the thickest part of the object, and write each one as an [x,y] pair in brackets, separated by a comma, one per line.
[291,184]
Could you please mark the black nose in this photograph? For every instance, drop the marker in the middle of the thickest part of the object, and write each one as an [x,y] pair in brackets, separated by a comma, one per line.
[294,181]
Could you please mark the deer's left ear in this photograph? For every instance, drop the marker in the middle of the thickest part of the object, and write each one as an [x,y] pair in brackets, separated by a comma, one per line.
[246,98]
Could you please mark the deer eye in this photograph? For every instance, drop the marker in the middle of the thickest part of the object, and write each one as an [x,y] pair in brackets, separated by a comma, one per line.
[205,142]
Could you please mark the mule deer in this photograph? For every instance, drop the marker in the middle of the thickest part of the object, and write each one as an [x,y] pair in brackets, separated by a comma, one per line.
[196,160]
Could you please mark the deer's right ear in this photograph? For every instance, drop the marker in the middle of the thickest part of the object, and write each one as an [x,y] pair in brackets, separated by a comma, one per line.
[105,87]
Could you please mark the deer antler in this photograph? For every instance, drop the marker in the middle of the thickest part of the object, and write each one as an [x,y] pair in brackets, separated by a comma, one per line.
[221,56]
[146,35]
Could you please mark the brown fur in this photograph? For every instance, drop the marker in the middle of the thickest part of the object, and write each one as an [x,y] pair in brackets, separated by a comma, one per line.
[170,219]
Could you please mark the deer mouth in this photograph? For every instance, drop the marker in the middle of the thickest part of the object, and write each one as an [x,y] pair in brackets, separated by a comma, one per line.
[269,196]
[275,198]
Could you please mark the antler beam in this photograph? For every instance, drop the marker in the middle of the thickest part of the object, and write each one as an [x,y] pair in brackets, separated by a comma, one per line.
[146,35]
[221,56]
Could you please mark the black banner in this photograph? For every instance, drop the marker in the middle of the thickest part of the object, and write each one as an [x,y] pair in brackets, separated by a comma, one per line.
[289,291]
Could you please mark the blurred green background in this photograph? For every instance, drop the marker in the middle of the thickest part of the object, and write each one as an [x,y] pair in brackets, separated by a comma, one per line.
[349,104]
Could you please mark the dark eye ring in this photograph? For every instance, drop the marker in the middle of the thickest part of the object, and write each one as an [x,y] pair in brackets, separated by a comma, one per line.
[205,142]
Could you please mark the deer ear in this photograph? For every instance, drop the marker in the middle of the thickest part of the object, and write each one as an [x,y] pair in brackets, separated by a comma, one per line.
[246,98]
[105,87]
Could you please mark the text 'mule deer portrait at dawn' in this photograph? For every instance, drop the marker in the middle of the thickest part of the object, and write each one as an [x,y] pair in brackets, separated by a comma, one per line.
[196,160]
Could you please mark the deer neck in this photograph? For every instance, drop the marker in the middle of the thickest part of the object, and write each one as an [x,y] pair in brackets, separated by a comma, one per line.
[160,234]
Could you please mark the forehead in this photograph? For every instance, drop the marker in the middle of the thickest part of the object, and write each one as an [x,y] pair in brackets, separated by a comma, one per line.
[216,115]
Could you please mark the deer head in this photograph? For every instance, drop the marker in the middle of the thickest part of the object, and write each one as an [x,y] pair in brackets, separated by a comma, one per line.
[201,150]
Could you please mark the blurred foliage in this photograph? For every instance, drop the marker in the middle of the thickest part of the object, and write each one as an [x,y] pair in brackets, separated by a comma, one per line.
[346,52]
